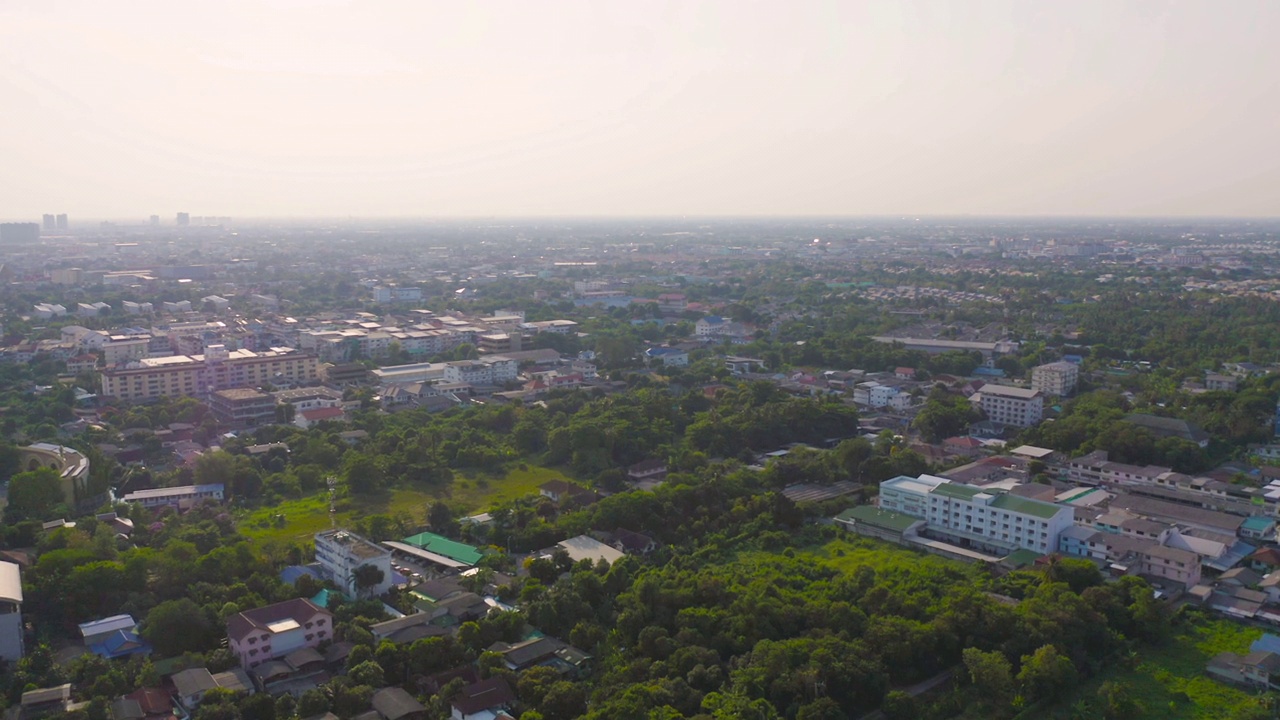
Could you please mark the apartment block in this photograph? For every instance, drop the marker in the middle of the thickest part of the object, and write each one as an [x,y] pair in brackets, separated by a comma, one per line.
[1057,378]
[1021,407]
[199,375]
[341,552]
[242,407]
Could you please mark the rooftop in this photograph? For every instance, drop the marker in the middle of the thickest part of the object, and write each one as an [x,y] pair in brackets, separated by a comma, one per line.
[871,515]
[1026,506]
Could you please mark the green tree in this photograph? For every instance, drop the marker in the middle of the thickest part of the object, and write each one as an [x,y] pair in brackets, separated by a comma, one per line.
[368,673]
[34,495]
[367,577]
[177,626]
[1046,675]
[898,705]
[991,674]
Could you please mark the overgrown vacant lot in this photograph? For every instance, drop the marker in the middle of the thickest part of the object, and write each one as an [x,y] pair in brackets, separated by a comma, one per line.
[304,517]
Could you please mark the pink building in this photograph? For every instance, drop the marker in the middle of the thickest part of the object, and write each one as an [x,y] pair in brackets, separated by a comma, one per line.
[265,633]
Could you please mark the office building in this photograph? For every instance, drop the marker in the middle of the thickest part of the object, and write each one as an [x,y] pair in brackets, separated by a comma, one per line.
[1057,378]
[1022,407]
[199,375]
[184,219]
[62,221]
[49,222]
[989,520]
[341,552]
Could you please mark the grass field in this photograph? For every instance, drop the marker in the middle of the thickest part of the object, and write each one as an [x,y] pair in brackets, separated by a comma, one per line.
[307,516]
[1170,681]
[847,555]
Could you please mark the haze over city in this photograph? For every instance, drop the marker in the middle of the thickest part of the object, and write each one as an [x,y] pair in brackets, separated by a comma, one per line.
[419,109]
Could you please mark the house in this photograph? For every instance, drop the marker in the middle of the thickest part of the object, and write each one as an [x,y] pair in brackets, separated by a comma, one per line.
[266,633]
[1265,560]
[904,373]
[668,356]
[44,701]
[1258,669]
[393,703]
[307,418]
[190,686]
[408,629]
[559,491]
[584,547]
[651,469]
[1259,527]
[633,543]
[482,700]
[155,703]
[964,446]
[1221,383]
[742,365]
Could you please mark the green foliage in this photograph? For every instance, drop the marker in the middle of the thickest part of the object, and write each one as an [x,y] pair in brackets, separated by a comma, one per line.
[33,495]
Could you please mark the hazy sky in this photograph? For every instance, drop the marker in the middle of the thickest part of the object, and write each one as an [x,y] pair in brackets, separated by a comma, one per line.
[636,107]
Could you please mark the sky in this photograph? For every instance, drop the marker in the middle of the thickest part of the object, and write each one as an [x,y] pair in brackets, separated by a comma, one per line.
[419,108]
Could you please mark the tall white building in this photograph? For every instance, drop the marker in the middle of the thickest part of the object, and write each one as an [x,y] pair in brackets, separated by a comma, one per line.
[1008,405]
[341,552]
[11,630]
[990,520]
[1056,378]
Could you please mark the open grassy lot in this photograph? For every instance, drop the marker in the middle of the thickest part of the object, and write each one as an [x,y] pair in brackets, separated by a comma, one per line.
[1170,681]
[304,517]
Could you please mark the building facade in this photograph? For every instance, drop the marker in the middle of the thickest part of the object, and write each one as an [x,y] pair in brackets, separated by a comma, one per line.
[341,552]
[199,375]
[1057,378]
[1021,407]
[262,634]
[987,519]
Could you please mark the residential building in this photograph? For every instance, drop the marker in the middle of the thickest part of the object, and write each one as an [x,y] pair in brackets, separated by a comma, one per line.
[199,375]
[12,645]
[483,700]
[114,637]
[393,703]
[982,518]
[668,356]
[340,553]
[242,407]
[262,634]
[1057,378]
[1007,405]
[181,497]
[1221,383]
[121,349]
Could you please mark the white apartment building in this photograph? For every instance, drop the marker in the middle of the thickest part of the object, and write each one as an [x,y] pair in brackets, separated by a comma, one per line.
[11,627]
[120,349]
[340,552]
[1057,378]
[198,375]
[492,370]
[1022,407]
[986,519]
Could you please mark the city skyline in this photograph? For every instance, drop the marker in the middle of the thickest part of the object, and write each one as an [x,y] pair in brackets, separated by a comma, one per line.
[281,109]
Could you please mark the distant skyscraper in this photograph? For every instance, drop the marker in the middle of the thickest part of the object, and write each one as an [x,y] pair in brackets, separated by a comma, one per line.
[62,221]
[11,233]
[155,220]
[184,219]
[49,222]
